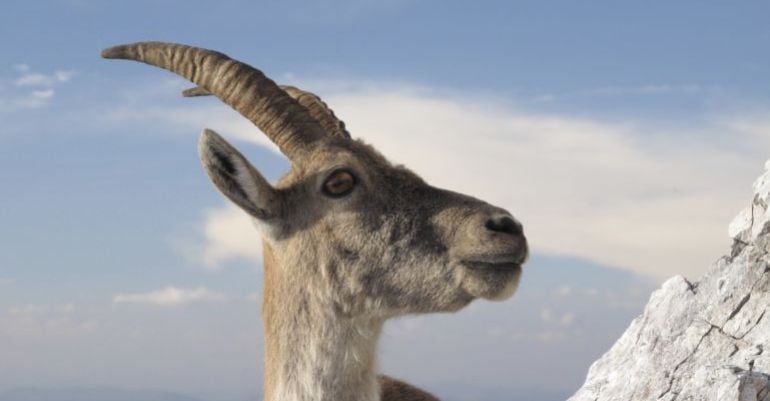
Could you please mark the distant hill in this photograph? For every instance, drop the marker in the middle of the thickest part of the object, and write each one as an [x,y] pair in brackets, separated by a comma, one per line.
[90,394]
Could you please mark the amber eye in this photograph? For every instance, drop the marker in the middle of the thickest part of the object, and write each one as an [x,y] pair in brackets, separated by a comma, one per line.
[339,184]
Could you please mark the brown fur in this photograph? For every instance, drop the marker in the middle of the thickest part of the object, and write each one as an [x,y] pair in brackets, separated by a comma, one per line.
[337,267]
[396,390]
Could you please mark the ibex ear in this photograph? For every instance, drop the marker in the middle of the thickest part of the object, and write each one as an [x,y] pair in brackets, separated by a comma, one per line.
[236,178]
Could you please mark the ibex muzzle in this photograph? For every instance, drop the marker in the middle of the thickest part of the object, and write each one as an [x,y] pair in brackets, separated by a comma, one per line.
[350,239]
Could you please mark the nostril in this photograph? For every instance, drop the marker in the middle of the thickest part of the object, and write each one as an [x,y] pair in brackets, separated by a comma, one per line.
[504,224]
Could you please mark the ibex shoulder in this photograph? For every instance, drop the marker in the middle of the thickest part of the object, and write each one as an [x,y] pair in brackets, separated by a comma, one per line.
[396,390]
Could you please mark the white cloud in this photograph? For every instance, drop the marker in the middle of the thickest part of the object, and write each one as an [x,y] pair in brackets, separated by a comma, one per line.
[552,336]
[614,91]
[564,291]
[6,281]
[224,234]
[28,78]
[34,80]
[567,319]
[26,101]
[30,90]
[34,321]
[63,76]
[229,234]
[170,296]
[622,194]
[546,315]
[42,94]
[643,197]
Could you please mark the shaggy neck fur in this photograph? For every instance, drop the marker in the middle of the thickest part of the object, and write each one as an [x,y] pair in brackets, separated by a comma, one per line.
[313,351]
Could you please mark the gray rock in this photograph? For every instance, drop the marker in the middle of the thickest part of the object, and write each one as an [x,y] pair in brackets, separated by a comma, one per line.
[706,340]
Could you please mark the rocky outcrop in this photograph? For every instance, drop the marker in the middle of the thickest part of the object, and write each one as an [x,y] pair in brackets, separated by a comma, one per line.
[705,340]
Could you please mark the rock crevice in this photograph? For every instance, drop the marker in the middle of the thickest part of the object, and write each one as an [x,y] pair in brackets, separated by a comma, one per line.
[702,340]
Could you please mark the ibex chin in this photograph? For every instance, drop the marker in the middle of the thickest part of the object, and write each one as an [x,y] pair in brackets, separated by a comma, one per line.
[349,239]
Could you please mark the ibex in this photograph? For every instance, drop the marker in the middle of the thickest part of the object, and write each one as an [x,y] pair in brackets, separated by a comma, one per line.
[350,240]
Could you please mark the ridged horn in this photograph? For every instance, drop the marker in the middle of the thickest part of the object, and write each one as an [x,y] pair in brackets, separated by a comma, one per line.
[319,110]
[312,102]
[244,88]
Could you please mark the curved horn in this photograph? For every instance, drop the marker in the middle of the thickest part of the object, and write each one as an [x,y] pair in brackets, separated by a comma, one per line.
[312,102]
[319,110]
[244,88]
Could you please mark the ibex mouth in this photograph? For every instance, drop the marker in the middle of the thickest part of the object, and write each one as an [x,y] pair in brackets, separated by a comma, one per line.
[493,278]
[501,263]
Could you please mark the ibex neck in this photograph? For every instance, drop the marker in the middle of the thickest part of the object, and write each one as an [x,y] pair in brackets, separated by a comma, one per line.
[312,351]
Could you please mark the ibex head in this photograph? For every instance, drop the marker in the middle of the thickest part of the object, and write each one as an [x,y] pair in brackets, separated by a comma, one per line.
[357,232]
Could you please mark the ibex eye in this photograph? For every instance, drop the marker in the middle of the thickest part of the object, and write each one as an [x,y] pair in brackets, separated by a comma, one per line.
[339,183]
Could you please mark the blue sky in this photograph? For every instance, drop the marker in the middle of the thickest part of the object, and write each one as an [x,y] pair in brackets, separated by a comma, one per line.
[624,135]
